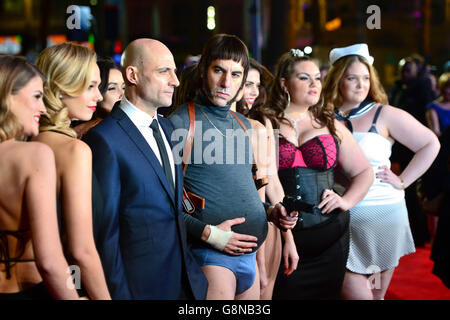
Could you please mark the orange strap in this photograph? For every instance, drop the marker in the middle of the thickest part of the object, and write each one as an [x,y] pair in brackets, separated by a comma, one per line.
[187,150]
[190,200]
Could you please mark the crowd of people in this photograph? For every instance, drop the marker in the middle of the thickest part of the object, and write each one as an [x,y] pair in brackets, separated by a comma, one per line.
[224,181]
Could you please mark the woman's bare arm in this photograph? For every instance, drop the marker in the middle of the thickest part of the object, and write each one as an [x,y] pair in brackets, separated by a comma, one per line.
[76,197]
[40,200]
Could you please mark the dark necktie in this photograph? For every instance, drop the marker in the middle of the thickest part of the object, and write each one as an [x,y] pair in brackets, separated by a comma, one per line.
[163,154]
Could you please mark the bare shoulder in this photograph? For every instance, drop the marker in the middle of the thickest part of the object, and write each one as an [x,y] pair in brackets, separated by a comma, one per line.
[268,124]
[393,116]
[73,156]
[34,151]
[256,124]
[31,156]
[341,130]
[72,151]
[389,111]
[78,148]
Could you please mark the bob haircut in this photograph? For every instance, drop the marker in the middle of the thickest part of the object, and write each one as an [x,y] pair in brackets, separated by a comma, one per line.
[15,73]
[226,47]
[68,68]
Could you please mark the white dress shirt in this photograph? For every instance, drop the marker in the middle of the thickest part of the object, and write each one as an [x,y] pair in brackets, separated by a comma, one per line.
[142,121]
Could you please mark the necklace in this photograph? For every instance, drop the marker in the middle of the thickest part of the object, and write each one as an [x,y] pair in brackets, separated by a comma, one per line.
[294,121]
[224,135]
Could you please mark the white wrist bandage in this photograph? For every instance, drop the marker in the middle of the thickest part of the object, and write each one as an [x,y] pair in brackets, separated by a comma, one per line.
[218,238]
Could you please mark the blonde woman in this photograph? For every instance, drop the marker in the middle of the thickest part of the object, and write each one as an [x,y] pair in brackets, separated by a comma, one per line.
[32,263]
[379,229]
[72,92]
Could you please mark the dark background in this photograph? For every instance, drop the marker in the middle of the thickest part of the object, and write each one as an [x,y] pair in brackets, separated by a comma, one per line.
[268,27]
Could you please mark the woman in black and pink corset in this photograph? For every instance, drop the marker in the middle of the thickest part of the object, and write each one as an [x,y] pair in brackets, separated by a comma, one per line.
[311,144]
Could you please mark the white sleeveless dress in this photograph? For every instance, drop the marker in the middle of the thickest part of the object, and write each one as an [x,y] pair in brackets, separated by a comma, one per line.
[379,227]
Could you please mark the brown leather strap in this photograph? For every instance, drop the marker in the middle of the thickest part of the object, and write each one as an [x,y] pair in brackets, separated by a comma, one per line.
[240,123]
[187,150]
[190,200]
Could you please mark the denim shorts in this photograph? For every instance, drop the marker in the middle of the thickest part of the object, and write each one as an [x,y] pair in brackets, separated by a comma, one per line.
[243,266]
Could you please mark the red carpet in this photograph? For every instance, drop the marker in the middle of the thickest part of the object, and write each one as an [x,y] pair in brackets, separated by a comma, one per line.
[413,279]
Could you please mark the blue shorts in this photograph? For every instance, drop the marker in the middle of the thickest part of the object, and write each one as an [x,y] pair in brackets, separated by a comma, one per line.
[243,267]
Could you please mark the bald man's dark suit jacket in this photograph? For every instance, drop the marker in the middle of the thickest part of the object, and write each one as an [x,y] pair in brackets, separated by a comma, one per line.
[139,232]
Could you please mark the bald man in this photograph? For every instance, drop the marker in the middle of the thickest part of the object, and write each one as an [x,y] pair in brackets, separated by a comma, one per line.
[140,234]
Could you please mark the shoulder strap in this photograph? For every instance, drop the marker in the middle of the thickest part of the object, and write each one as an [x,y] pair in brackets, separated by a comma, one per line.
[377,113]
[240,122]
[373,128]
[349,125]
[187,150]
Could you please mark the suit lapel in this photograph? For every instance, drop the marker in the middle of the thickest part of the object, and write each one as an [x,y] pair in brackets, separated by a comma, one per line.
[136,137]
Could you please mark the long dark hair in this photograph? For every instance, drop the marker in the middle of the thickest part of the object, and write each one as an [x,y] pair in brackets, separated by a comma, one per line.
[105,64]
[257,112]
[185,92]
[277,101]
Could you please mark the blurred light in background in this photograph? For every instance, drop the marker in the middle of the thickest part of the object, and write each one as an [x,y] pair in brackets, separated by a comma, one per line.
[307,50]
[211,18]
[10,44]
[333,24]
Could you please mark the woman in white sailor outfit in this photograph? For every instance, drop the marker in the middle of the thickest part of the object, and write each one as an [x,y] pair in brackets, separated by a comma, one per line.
[379,228]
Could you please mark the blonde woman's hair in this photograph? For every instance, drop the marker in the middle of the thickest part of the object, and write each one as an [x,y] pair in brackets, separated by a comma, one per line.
[68,68]
[332,95]
[15,73]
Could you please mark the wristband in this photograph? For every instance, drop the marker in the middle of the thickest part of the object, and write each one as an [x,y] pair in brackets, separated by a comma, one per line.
[218,238]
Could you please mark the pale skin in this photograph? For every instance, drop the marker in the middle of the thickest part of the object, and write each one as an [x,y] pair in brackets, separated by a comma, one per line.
[394,125]
[28,169]
[259,147]
[274,191]
[114,90]
[151,84]
[224,78]
[73,160]
[304,87]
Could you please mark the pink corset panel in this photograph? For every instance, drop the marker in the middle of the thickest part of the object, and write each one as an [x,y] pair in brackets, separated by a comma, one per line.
[320,152]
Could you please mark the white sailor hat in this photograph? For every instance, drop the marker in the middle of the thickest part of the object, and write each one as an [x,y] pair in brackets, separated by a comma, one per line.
[360,49]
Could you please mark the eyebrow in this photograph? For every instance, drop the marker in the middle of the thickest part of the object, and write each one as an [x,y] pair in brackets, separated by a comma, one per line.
[166,68]
[318,73]
[356,74]
[225,70]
